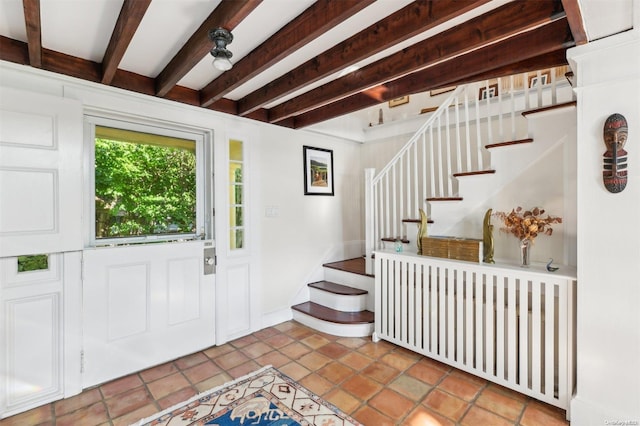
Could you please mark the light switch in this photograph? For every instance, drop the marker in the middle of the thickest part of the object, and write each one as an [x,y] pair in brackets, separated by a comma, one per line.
[272,211]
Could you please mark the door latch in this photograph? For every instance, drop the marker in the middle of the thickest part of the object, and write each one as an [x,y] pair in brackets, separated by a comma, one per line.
[209,261]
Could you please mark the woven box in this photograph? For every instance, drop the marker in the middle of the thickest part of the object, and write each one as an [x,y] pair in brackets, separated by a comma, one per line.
[466,249]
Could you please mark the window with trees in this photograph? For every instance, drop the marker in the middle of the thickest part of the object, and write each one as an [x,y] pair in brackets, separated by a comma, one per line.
[147,184]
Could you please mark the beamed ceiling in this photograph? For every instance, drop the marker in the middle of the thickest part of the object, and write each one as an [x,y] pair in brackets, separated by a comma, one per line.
[296,62]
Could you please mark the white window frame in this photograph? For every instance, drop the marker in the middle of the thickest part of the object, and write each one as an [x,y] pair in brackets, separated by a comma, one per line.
[203,169]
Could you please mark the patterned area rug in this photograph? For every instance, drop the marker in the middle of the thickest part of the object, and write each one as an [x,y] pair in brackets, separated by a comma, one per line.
[265,397]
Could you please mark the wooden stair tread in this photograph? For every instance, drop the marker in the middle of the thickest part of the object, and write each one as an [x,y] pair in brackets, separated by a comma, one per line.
[444,199]
[335,288]
[416,221]
[331,315]
[393,239]
[508,143]
[478,172]
[549,108]
[355,266]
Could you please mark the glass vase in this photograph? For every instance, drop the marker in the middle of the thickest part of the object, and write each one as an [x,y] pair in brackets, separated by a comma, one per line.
[525,249]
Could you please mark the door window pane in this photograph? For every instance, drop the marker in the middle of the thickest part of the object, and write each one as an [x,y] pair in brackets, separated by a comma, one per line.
[35,262]
[145,184]
[236,195]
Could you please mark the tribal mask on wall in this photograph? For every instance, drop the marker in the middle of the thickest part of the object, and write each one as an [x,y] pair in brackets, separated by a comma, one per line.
[614,172]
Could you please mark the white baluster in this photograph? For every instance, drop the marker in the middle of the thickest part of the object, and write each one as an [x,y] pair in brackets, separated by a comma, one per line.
[448,149]
[459,145]
[467,126]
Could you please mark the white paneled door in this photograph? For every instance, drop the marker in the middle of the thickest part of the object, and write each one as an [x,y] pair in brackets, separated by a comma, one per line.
[40,174]
[40,214]
[145,305]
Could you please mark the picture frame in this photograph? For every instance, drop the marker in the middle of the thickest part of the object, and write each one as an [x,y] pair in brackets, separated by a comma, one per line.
[436,92]
[543,79]
[398,101]
[488,92]
[318,171]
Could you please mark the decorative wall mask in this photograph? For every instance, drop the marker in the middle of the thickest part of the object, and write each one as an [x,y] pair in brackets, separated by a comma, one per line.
[614,172]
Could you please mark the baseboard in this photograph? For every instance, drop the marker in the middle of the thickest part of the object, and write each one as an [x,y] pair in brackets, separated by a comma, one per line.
[276,317]
[588,413]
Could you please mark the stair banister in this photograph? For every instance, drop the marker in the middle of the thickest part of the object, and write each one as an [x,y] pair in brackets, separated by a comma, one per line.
[435,116]
[371,213]
[429,163]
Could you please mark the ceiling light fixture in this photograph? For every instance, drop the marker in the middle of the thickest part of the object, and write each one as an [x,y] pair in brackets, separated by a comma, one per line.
[221,37]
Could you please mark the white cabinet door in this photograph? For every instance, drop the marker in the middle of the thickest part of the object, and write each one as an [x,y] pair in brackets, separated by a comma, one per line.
[144,305]
[40,174]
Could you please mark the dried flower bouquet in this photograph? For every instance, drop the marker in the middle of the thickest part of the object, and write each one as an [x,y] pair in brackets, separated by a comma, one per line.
[527,224]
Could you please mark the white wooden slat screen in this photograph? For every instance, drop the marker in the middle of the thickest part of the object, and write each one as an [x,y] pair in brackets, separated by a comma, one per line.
[513,326]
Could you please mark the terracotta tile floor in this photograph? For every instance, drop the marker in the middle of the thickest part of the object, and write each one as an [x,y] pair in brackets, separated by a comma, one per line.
[377,383]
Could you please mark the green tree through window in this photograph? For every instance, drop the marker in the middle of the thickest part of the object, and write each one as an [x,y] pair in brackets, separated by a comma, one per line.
[144,188]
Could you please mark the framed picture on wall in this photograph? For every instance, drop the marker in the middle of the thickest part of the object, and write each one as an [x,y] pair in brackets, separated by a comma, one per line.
[318,171]
[488,92]
[398,101]
[540,80]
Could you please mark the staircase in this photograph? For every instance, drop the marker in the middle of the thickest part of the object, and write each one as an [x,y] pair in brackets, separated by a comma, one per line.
[340,305]
[446,169]
[449,167]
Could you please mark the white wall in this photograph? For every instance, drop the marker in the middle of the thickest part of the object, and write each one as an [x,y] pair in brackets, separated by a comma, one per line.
[608,323]
[308,229]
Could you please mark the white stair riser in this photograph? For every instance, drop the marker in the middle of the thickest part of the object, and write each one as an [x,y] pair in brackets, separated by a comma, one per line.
[339,302]
[358,281]
[335,329]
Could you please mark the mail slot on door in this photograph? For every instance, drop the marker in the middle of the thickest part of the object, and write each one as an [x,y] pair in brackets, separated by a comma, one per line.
[209,260]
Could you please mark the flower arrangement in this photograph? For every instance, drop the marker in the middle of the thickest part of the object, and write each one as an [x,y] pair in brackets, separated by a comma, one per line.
[527,224]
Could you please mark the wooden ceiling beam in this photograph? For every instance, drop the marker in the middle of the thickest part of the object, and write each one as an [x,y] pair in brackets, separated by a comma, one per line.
[34,34]
[17,52]
[361,101]
[14,51]
[544,40]
[228,14]
[553,59]
[316,20]
[131,15]
[71,65]
[407,22]
[574,15]
[505,21]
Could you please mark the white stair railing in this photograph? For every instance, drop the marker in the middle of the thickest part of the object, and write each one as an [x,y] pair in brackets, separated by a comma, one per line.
[453,141]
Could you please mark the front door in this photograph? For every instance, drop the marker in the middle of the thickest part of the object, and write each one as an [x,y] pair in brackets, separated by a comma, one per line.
[148,276]
[145,305]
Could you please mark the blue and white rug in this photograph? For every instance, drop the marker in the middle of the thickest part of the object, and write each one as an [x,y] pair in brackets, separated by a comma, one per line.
[263,398]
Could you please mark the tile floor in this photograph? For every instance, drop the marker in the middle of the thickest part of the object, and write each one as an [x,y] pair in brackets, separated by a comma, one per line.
[376,383]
